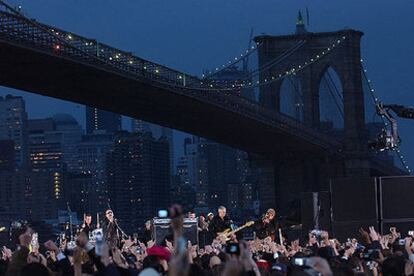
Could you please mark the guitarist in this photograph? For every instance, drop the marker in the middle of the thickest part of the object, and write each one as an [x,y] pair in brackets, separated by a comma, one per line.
[266,226]
[220,222]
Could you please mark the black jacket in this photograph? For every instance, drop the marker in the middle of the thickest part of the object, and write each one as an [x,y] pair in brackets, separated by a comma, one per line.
[110,234]
[264,230]
[218,225]
[88,229]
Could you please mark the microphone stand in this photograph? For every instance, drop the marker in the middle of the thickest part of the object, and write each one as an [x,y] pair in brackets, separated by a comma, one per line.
[116,223]
[70,221]
[120,229]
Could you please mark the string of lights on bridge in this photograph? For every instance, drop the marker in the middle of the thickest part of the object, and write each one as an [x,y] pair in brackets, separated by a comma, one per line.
[210,84]
[376,101]
[268,80]
[231,62]
[156,69]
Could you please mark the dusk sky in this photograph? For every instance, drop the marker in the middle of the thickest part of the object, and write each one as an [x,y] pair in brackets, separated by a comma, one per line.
[190,35]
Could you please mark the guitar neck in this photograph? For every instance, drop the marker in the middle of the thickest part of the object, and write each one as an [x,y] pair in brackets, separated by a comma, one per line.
[240,228]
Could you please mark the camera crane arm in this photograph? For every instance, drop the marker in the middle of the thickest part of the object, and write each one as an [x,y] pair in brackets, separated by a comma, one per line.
[400,110]
[389,139]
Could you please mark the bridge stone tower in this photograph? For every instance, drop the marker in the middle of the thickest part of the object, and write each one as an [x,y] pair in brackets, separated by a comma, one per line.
[302,170]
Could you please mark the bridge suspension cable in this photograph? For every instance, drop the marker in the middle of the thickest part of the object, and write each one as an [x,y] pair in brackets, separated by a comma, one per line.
[157,73]
[279,75]
[272,63]
[230,63]
[376,101]
[149,70]
[334,92]
[17,29]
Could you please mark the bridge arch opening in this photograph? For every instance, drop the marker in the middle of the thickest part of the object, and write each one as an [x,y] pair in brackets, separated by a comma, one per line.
[331,102]
[291,98]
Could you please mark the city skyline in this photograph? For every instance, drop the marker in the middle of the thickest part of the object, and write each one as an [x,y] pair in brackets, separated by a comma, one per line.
[378,38]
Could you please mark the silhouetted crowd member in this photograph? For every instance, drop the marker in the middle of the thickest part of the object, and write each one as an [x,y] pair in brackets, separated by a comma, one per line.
[319,254]
[204,235]
[147,234]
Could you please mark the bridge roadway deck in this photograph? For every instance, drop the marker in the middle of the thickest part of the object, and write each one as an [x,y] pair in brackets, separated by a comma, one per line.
[30,61]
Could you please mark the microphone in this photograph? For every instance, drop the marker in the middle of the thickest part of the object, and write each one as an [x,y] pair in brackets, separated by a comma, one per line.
[68,206]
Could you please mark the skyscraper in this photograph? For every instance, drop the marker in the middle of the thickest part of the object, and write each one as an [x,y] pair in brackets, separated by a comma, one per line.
[91,154]
[53,143]
[7,155]
[192,172]
[29,195]
[138,177]
[216,173]
[53,148]
[13,126]
[157,132]
[97,119]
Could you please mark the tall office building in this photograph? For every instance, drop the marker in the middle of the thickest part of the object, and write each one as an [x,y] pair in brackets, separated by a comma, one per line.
[70,133]
[7,162]
[221,169]
[97,119]
[53,149]
[13,126]
[216,172]
[192,173]
[91,154]
[157,132]
[53,143]
[30,195]
[138,177]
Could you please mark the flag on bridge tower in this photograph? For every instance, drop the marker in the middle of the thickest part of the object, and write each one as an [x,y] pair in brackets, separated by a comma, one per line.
[300,24]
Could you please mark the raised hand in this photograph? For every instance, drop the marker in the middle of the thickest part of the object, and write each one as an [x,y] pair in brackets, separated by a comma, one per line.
[127,244]
[408,243]
[7,253]
[365,235]
[373,234]
[320,265]
[384,241]
[246,259]
[105,259]
[53,256]
[169,245]
[395,235]
[118,258]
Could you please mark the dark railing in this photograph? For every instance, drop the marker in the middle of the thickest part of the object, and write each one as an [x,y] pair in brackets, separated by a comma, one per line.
[17,29]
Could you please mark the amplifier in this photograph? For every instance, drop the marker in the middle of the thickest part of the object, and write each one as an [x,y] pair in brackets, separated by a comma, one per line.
[162,230]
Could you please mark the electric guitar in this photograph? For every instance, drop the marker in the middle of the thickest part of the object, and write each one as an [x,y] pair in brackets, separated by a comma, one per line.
[226,234]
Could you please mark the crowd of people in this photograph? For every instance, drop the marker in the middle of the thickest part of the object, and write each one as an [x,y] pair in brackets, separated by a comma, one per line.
[269,253]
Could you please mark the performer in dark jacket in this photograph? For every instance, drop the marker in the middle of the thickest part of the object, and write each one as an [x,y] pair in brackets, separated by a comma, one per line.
[110,230]
[87,226]
[220,222]
[266,226]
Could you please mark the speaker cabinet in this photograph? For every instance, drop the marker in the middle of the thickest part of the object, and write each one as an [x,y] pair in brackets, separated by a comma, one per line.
[162,230]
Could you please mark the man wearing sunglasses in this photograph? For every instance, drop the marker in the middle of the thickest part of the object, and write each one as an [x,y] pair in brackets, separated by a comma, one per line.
[110,230]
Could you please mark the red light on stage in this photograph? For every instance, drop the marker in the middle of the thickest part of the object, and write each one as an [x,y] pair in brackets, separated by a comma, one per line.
[56,47]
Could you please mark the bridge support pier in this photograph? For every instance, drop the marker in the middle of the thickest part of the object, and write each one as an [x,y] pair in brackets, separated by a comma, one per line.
[282,180]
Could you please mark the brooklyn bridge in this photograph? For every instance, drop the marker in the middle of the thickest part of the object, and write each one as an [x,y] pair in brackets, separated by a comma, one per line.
[291,140]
